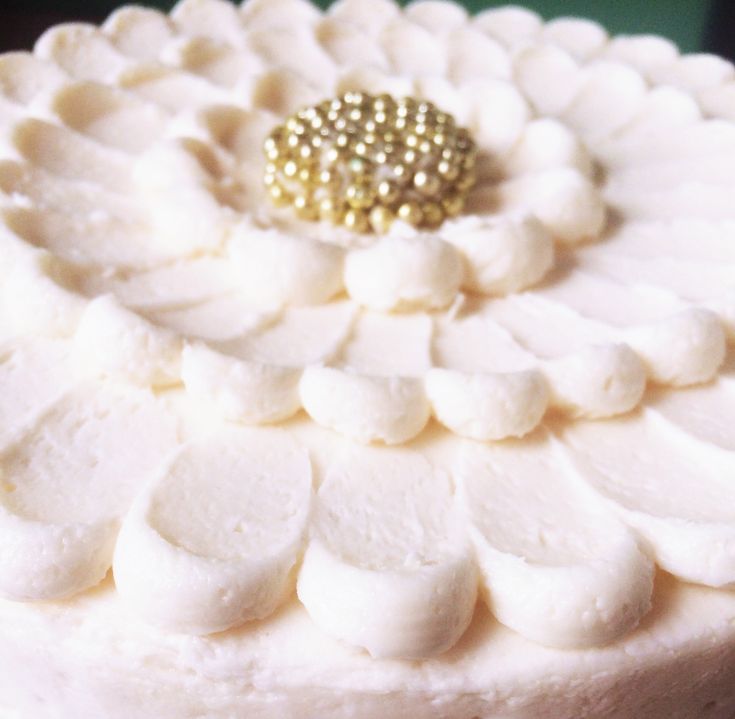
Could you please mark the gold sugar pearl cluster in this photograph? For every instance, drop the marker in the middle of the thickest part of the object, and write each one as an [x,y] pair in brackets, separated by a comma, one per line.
[364,161]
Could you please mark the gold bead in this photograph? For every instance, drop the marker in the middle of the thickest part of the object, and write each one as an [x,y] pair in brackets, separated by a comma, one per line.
[427,184]
[353,98]
[453,205]
[380,158]
[325,177]
[400,173]
[360,195]
[381,219]
[433,214]
[330,210]
[388,192]
[356,220]
[410,212]
[410,157]
[290,169]
[333,155]
[363,160]
[305,208]
[447,170]
[279,196]
[383,103]
[273,153]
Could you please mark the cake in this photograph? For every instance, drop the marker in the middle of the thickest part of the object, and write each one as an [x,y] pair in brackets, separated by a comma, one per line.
[463,457]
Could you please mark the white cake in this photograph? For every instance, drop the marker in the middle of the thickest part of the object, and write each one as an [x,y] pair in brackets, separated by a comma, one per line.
[259,466]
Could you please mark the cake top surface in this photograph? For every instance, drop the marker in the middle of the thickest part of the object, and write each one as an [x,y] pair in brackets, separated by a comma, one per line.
[212,393]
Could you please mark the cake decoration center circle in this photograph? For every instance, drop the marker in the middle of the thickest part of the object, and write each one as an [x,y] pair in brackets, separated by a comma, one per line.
[364,161]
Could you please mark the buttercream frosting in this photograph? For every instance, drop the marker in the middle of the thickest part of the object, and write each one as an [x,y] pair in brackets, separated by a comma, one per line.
[551,369]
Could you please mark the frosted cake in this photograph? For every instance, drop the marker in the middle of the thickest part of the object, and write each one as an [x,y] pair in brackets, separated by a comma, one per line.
[465,460]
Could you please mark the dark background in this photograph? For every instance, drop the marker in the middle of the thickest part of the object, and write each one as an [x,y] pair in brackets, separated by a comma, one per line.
[695,25]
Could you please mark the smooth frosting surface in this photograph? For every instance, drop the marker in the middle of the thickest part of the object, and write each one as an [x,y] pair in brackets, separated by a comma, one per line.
[159,317]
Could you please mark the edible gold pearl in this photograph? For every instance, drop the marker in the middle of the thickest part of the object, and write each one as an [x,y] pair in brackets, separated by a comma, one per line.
[410,212]
[427,184]
[326,177]
[381,219]
[330,210]
[279,196]
[433,214]
[305,208]
[363,160]
[453,205]
[388,192]
[400,173]
[356,220]
[273,154]
[360,195]
[447,170]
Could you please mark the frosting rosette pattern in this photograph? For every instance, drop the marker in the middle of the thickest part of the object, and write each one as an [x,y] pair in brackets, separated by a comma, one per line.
[198,386]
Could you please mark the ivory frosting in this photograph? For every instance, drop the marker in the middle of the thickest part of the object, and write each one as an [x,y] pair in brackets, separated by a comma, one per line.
[530,362]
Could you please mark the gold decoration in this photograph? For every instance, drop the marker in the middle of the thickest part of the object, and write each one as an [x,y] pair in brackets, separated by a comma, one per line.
[364,161]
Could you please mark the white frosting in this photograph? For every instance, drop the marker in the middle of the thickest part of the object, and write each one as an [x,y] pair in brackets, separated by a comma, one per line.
[504,256]
[388,567]
[365,408]
[224,519]
[275,269]
[404,273]
[241,390]
[134,230]
[558,569]
[673,489]
[68,479]
[598,381]
[111,341]
[565,201]
[487,406]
